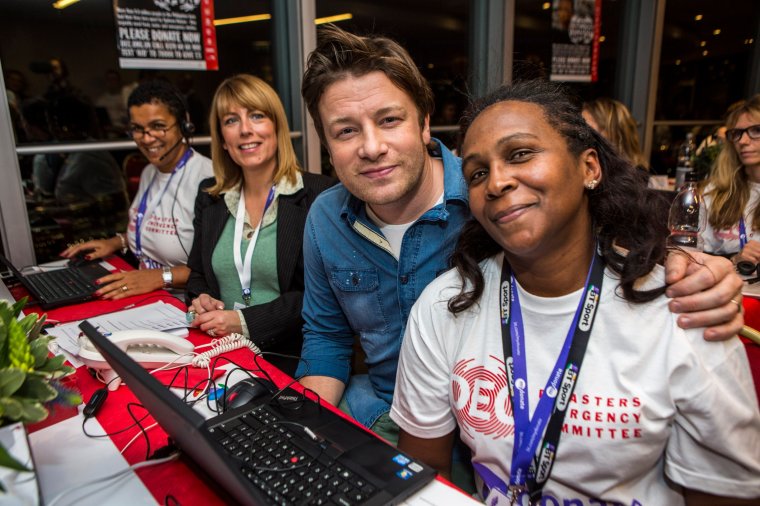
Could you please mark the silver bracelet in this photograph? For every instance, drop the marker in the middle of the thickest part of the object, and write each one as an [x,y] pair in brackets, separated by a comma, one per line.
[123,243]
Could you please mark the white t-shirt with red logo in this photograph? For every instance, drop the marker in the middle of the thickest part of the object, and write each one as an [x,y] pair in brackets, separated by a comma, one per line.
[650,397]
[726,241]
[167,232]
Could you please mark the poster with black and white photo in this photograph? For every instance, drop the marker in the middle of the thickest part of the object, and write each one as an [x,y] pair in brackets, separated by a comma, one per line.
[576,25]
[166,34]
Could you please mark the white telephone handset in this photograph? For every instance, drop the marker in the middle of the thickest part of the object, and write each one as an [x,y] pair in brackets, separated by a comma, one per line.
[149,348]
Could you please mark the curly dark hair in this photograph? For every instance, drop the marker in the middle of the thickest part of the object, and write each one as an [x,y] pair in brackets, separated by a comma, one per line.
[624,211]
[160,91]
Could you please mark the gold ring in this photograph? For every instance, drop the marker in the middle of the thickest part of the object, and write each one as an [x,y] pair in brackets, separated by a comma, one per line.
[124,288]
[738,304]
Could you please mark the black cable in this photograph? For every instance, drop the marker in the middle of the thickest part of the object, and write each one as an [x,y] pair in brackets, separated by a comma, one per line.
[130,405]
[170,500]
[109,434]
[174,203]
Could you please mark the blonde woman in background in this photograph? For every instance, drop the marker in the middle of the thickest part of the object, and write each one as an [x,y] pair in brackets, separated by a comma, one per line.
[614,121]
[733,189]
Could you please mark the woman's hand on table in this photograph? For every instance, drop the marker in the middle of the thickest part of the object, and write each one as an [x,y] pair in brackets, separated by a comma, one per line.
[128,283]
[211,318]
[706,291]
[99,248]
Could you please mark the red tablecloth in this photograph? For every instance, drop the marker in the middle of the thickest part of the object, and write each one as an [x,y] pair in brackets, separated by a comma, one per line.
[174,479]
[752,319]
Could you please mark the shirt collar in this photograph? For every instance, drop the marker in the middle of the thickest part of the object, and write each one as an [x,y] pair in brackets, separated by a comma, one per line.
[284,187]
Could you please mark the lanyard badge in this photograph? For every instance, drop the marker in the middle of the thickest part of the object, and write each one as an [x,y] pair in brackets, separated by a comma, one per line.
[243,266]
[537,437]
[143,209]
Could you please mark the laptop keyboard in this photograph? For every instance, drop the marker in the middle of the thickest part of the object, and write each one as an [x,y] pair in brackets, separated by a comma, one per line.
[60,284]
[284,462]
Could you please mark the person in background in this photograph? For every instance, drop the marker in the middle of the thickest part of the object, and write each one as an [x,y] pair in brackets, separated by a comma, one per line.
[80,176]
[247,259]
[15,90]
[588,357]
[732,192]
[113,105]
[374,242]
[614,121]
[160,229]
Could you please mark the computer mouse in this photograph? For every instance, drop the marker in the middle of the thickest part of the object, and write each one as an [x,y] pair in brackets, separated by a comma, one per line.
[247,390]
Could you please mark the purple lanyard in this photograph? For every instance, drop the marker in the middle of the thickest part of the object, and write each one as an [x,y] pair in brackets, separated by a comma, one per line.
[529,471]
[142,208]
[742,234]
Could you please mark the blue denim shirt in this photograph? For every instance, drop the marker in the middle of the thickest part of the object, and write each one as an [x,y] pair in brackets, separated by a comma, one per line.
[355,286]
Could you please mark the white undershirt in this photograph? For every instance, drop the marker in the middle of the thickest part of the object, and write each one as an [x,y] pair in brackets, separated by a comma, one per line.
[394,234]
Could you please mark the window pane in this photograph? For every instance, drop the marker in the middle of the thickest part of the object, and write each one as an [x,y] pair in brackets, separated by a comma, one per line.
[533,44]
[435,32]
[704,67]
[62,70]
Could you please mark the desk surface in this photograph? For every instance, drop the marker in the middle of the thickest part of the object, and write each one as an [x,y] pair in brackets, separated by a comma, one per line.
[64,457]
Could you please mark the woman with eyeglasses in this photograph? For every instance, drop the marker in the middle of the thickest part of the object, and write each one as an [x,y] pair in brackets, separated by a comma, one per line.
[732,193]
[160,228]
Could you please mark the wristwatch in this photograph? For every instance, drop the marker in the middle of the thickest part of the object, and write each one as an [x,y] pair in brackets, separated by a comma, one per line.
[167,276]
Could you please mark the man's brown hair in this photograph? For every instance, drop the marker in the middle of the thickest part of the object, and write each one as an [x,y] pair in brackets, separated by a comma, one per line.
[340,54]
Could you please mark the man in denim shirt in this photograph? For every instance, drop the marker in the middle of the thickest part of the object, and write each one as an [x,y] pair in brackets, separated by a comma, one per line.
[373,243]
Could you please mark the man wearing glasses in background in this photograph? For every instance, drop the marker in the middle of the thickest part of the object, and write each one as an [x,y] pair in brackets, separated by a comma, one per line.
[160,229]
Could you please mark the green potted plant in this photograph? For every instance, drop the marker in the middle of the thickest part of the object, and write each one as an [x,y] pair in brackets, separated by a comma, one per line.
[30,378]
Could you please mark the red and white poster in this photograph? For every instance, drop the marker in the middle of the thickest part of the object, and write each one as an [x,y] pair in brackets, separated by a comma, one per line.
[576,25]
[166,34]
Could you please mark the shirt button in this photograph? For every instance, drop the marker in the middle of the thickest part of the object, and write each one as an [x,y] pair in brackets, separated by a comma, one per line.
[404,279]
[250,234]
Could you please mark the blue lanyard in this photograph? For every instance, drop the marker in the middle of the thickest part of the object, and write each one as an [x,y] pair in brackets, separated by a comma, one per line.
[742,234]
[540,434]
[142,208]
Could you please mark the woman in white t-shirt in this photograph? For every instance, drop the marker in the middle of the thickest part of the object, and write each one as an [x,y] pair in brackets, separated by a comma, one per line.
[552,348]
[733,190]
[160,227]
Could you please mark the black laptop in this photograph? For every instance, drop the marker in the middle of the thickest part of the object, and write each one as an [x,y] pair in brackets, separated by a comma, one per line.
[68,285]
[260,453]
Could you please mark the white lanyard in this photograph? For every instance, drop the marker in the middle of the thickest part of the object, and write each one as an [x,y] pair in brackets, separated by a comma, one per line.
[244,266]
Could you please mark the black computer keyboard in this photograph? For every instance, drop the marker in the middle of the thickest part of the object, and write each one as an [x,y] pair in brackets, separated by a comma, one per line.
[60,284]
[289,466]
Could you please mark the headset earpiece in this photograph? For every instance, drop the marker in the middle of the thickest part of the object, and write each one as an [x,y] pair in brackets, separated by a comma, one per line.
[186,127]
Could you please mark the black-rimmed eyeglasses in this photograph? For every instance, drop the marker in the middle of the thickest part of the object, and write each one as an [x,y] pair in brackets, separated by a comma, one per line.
[734,134]
[158,131]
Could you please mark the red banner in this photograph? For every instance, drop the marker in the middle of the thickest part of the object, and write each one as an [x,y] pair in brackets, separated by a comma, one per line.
[576,25]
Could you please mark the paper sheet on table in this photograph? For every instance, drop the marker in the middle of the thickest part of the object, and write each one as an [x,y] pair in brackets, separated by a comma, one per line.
[436,493]
[156,316]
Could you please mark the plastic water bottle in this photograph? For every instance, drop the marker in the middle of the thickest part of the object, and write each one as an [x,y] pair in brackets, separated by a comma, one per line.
[687,217]
[686,152]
